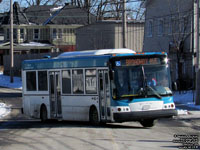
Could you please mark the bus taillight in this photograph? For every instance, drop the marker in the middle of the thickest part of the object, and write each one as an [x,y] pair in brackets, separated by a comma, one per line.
[172,105]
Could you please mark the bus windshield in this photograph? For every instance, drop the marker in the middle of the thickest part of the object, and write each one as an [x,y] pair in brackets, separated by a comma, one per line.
[142,81]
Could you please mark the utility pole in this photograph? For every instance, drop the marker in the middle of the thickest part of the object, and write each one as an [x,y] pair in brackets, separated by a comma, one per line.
[11,42]
[88,10]
[124,24]
[196,36]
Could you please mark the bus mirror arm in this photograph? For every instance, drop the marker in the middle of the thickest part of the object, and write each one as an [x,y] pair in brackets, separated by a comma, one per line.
[112,75]
[114,93]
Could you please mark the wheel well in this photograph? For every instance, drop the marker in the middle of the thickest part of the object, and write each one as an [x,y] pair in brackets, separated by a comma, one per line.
[92,107]
[41,107]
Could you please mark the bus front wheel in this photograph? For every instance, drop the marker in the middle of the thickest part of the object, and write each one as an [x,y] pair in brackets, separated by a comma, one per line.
[147,123]
[43,114]
[93,116]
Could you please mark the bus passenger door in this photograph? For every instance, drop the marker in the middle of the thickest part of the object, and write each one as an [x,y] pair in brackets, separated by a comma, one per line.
[55,94]
[104,95]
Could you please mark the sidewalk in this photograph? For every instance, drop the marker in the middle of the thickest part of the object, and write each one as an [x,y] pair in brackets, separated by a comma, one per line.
[187,112]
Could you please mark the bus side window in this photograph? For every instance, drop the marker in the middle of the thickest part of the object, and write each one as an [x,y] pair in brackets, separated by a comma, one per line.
[31,81]
[42,81]
[66,82]
[77,81]
[90,81]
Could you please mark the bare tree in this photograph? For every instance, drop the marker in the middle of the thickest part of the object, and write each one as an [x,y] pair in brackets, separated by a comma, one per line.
[180,31]
[100,8]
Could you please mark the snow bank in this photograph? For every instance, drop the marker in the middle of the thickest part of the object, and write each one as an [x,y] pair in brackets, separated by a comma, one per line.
[4,110]
[187,98]
[5,82]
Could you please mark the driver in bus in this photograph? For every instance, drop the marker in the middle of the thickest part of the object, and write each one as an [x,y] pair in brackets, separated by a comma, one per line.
[122,84]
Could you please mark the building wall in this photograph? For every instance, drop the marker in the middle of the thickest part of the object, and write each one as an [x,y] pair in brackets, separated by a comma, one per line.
[167,18]
[62,36]
[104,35]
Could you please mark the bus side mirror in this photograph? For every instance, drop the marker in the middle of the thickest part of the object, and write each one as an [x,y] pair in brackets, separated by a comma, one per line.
[174,86]
[114,90]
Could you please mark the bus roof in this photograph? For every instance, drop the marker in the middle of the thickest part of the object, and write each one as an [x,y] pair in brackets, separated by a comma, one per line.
[96,52]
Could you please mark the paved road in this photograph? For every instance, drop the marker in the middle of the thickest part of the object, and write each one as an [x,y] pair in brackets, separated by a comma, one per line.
[33,135]
[17,132]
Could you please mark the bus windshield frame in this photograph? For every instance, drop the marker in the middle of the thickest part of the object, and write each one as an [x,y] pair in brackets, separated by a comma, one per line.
[141,81]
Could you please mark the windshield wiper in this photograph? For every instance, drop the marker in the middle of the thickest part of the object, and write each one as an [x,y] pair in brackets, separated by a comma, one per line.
[154,92]
[147,86]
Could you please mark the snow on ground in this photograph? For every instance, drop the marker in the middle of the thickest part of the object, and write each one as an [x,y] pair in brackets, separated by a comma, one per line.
[5,82]
[187,98]
[4,110]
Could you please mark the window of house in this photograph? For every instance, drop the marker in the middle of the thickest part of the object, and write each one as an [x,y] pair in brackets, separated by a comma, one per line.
[90,81]
[77,81]
[31,81]
[170,26]
[65,34]
[42,81]
[184,24]
[160,27]
[36,34]
[54,33]
[21,33]
[14,33]
[8,34]
[150,28]
[59,33]
[175,25]
[66,82]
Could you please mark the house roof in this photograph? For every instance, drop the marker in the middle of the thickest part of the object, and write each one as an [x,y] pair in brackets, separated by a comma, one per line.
[26,46]
[18,16]
[107,22]
[39,14]
[70,15]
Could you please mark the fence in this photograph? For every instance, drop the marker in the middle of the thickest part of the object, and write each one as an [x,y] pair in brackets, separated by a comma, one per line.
[18,59]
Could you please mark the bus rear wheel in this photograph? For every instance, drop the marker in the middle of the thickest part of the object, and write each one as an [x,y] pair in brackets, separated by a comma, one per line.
[43,114]
[93,116]
[147,123]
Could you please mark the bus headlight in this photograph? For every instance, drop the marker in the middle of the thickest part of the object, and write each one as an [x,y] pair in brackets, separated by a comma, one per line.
[121,109]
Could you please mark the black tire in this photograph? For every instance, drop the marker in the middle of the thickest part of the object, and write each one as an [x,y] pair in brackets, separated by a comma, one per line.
[93,116]
[147,123]
[43,114]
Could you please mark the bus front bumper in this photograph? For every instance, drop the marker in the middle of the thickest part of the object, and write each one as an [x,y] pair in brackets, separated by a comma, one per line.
[142,115]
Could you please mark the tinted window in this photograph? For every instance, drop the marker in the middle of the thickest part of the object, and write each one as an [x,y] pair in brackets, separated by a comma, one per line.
[66,82]
[42,81]
[31,81]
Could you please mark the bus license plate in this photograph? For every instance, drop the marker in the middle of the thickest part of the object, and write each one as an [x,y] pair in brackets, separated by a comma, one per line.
[146,107]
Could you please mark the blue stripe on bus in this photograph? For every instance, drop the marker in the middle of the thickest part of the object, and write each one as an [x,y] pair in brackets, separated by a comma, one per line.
[126,102]
[92,61]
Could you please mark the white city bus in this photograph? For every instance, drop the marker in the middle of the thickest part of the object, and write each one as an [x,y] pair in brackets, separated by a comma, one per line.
[85,86]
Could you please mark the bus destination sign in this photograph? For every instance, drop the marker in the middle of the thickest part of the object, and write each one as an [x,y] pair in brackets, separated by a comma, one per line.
[138,61]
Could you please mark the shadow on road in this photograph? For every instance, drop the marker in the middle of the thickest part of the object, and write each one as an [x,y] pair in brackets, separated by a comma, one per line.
[26,124]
